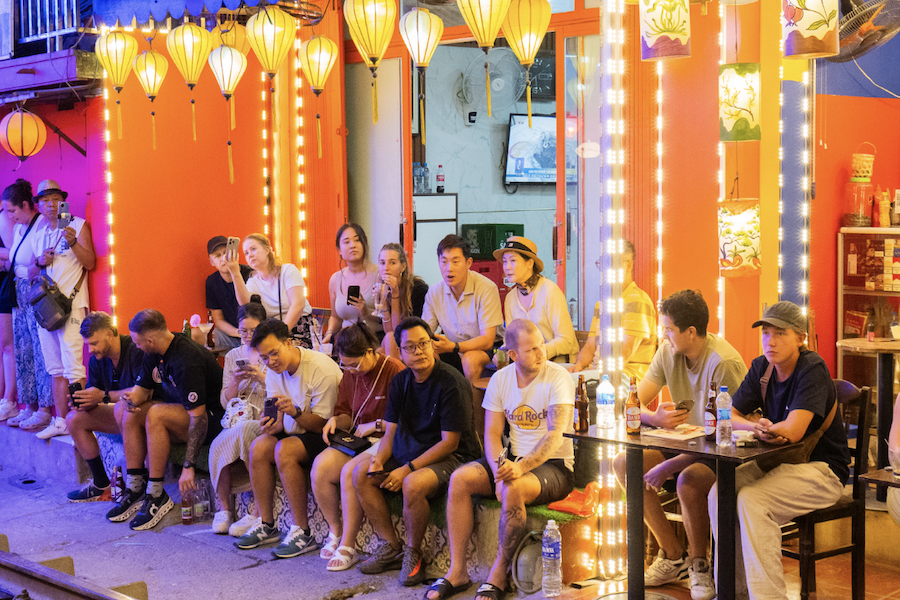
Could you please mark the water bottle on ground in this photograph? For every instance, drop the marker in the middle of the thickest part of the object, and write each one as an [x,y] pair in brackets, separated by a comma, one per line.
[723,423]
[551,550]
[606,404]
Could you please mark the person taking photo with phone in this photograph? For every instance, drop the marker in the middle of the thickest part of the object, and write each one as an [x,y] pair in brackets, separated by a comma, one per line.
[688,359]
[302,387]
[407,292]
[65,253]
[352,287]
[221,300]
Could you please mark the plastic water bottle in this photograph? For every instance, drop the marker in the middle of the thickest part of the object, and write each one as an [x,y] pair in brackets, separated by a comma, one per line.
[418,176]
[439,178]
[606,404]
[426,178]
[551,551]
[723,424]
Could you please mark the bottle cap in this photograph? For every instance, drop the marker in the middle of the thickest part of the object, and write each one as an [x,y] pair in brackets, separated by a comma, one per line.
[551,523]
[724,388]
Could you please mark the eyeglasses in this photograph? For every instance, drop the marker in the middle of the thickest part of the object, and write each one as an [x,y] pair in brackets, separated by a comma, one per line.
[246,332]
[346,367]
[413,348]
[267,357]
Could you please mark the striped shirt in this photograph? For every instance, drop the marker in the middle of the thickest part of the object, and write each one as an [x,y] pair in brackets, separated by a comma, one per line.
[639,321]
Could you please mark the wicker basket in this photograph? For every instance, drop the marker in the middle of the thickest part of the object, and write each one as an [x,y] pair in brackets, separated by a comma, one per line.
[862,163]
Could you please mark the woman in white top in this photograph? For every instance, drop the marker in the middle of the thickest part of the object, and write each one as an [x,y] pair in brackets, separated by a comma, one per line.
[346,310]
[280,285]
[33,383]
[246,381]
[537,299]
[66,252]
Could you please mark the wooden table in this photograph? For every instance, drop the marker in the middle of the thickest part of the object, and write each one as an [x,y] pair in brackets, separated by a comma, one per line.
[727,461]
[881,478]
[884,349]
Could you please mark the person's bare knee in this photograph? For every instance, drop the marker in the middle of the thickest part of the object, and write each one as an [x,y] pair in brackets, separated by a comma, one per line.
[473,363]
[695,482]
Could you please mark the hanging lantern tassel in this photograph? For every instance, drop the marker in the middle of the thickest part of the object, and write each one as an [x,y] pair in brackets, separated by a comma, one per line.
[528,93]
[119,116]
[230,164]
[319,133]
[153,127]
[194,119]
[233,120]
[487,83]
[374,97]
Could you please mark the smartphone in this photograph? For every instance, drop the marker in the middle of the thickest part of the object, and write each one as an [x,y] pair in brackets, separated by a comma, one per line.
[269,409]
[352,292]
[242,363]
[684,404]
[63,216]
[502,458]
[233,245]
[75,387]
[377,473]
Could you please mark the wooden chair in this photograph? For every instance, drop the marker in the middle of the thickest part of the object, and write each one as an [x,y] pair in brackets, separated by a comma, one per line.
[854,405]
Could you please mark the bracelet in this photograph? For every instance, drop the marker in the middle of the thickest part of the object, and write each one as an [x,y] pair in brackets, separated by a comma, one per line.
[411,466]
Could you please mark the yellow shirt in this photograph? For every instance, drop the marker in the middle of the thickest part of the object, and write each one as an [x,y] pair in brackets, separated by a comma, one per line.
[639,321]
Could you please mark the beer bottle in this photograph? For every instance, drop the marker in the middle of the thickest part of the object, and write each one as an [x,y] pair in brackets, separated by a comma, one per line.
[187,509]
[582,408]
[709,413]
[633,410]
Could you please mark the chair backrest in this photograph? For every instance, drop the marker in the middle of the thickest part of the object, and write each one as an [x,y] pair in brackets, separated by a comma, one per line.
[854,405]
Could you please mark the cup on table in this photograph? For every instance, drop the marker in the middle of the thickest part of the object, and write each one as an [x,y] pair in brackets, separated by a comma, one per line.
[380,297]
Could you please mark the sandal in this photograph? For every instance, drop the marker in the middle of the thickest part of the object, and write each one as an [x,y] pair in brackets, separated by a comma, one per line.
[344,557]
[489,590]
[445,589]
[328,548]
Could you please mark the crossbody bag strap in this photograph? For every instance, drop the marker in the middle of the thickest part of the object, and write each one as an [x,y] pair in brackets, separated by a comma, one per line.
[78,285]
[764,383]
[280,316]
[34,219]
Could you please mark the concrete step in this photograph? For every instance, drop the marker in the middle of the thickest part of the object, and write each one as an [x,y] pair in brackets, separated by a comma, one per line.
[55,459]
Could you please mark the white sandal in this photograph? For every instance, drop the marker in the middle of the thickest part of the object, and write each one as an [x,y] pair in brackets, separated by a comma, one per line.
[344,558]
[328,548]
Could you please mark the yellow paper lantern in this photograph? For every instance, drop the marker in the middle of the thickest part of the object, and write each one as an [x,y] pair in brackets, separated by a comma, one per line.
[484,18]
[271,33]
[116,51]
[317,57]
[233,35]
[189,47]
[810,31]
[22,133]
[371,26]
[665,29]
[150,68]
[421,31]
[228,65]
[525,25]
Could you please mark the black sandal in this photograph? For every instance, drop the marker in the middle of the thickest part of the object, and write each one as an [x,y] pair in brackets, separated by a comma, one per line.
[445,589]
[489,590]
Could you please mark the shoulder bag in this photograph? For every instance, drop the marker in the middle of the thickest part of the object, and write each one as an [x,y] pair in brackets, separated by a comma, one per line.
[8,285]
[51,307]
[801,452]
[348,443]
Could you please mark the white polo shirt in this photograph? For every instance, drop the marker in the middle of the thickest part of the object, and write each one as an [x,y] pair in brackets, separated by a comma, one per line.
[478,308]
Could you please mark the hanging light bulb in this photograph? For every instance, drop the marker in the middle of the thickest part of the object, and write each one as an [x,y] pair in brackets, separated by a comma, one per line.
[271,33]
[317,56]
[231,34]
[228,65]
[371,25]
[421,31]
[116,51]
[484,18]
[150,68]
[189,47]
[525,25]
[22,133]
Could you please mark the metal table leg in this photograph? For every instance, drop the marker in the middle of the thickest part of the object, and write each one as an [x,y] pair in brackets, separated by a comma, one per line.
[634,494]
[725,542]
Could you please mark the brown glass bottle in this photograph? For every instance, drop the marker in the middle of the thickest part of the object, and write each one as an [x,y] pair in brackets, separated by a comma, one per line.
[633,410]
[582,408]
[709,413]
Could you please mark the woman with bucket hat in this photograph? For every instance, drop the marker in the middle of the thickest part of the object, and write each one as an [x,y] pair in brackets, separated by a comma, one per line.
[536,298]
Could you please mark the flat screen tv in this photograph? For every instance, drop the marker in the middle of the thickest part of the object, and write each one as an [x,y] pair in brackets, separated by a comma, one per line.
[531,151]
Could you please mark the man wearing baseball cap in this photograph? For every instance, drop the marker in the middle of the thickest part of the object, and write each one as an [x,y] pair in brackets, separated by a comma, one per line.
[799,400]
[220,298]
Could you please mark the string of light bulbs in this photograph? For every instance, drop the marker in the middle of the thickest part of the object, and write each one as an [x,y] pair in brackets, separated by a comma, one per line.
[301,162]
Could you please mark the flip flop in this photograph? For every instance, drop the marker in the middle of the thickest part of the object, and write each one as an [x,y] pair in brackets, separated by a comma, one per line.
[445,589]
[489,590]
[346,556]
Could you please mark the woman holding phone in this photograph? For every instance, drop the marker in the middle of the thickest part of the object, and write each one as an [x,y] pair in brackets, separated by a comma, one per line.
[352,287]
[244,377]
[407,292]
[362,398]
[280,286]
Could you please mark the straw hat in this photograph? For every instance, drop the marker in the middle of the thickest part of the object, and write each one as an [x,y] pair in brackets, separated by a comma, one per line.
[523,246]
[47,187]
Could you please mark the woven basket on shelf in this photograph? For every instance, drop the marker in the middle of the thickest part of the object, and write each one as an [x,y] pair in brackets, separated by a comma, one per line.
[862,164]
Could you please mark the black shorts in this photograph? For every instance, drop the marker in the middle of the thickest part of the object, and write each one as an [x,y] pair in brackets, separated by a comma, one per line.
[313,442]
[556,479]
[443,469]
[455,360]
[703,461]
[6,306]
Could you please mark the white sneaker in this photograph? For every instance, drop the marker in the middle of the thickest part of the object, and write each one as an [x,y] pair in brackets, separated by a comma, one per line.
[664,570]
[23,416]
[241,526]
[8,409]
[222,521]
[56,427]
[702,585]
[36,421]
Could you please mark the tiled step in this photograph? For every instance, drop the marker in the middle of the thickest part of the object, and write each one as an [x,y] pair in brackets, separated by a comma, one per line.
[55,459]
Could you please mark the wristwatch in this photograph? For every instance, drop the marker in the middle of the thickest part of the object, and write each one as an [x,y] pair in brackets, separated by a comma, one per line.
[189,465]
[456,347]
[299,412]
[106,398]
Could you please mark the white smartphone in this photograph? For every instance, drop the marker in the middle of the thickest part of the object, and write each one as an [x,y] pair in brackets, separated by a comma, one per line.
[233,245]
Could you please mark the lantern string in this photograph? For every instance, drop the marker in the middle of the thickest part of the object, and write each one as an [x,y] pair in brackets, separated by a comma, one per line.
[194,119]
[233,121]
[528,94]
[487,83]
[153,127]
[422,117]
[319,133]
[230,163]
[374,99]
[119,116]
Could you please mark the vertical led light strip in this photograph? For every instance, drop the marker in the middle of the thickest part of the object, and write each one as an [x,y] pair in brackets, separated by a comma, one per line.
[107,156]
[301,164]
[723,56]
[659,192]
[780,173]
[267,181]
[806,184]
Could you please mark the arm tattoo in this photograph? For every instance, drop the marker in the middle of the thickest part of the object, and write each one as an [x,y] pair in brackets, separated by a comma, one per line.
[196,435]
[512,530]
[558,420]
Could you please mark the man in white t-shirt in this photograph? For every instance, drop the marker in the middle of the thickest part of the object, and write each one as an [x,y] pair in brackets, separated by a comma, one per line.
[304,385]
[688,360]
[536,398]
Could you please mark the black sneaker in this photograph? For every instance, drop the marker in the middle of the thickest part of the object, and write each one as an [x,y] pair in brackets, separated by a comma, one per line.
[129,503]
[152,512]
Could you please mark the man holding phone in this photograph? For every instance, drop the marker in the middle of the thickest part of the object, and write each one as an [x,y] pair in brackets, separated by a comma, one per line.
[687,361]
[113,369]
[428,433]
[220,298]
[302,387]
[536,399]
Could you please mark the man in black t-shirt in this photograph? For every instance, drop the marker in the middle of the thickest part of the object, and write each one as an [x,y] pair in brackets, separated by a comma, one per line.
[428,433]
[113,368]
[220,298]
[190,411]
[799,400]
